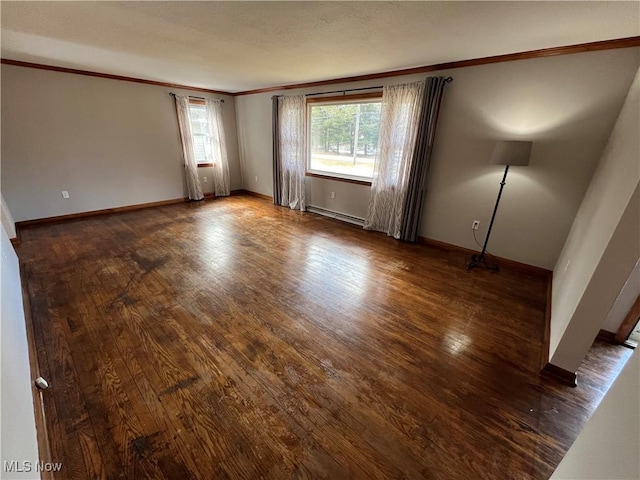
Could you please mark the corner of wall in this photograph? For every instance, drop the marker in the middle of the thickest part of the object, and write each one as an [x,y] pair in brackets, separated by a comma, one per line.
[607,447]
[584,276]
[17,400]
[7,219]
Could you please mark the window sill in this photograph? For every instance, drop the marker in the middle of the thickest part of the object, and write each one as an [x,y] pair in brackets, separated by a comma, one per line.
[339,179]
[202,165]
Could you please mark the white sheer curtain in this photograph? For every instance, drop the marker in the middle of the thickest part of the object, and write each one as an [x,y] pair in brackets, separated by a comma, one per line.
[190,165]
[292,148]
[221,182]
[399,118]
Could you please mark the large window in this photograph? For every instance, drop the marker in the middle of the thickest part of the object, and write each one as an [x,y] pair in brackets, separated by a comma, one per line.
[343,136]
[200,132]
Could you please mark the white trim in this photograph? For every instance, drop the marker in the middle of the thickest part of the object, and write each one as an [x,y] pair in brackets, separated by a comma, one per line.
[344,176]
[7,219]
[337,215]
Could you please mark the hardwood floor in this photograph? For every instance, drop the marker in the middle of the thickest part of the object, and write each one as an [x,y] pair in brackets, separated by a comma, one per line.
[235,339]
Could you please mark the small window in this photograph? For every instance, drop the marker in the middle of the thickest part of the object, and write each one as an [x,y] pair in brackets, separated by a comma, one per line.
[343,136]
[200,132]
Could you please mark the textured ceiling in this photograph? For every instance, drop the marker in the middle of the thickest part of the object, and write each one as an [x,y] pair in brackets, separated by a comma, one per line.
[236,46]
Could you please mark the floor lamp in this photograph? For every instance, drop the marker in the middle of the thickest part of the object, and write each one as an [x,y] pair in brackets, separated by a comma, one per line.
[509,153]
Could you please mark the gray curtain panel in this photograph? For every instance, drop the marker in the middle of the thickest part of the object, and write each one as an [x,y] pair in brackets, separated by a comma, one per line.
[277,174]
[432,99]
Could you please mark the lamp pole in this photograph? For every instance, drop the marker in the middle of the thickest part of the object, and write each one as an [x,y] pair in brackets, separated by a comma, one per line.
[481,259]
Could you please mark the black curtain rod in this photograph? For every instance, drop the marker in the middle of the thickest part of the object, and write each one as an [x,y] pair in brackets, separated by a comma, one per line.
[197,98]
[447,80]
[334,91]
[343,91]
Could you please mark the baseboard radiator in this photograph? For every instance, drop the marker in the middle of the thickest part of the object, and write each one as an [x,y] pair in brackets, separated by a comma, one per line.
[337,215]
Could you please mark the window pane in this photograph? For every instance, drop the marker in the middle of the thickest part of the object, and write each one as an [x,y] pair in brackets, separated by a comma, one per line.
[199,144]
[200,132]
[343,138]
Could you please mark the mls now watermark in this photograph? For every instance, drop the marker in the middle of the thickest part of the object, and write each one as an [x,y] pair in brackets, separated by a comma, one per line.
[27,466]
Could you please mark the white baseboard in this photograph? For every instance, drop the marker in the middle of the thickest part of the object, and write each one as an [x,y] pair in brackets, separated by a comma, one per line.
[337,215]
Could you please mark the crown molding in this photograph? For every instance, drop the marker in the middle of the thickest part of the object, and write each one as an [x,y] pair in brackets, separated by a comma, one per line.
[510,57]
[40,66]
[612,44]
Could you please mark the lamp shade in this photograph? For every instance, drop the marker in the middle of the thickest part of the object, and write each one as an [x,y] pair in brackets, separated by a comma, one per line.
[511,152]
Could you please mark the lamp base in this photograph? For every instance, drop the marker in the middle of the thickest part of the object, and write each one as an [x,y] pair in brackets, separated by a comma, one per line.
[481,260]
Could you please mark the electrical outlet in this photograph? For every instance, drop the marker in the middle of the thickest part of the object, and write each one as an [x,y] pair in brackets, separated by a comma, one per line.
[65,194]
[205,179]
[256,178]
[333,194]
[475,224]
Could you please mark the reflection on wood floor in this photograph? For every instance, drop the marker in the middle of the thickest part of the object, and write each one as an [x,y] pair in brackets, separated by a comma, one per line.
[235,339]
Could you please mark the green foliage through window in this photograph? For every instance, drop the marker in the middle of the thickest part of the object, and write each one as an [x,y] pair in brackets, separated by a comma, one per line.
[343,138]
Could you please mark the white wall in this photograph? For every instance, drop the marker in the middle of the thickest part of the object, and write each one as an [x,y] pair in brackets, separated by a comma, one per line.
[624,302]
[603,245]
[567,105]
[608,447]
[7,219]
[109,143]
[18,429]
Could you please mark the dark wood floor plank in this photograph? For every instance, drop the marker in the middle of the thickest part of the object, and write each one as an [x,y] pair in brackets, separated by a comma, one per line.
[258,354]
[130,415]
[166,350]
[228,418]
[257,360]
[172,369]
[68,411]
[172,455]
[242,392]
[236,339]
